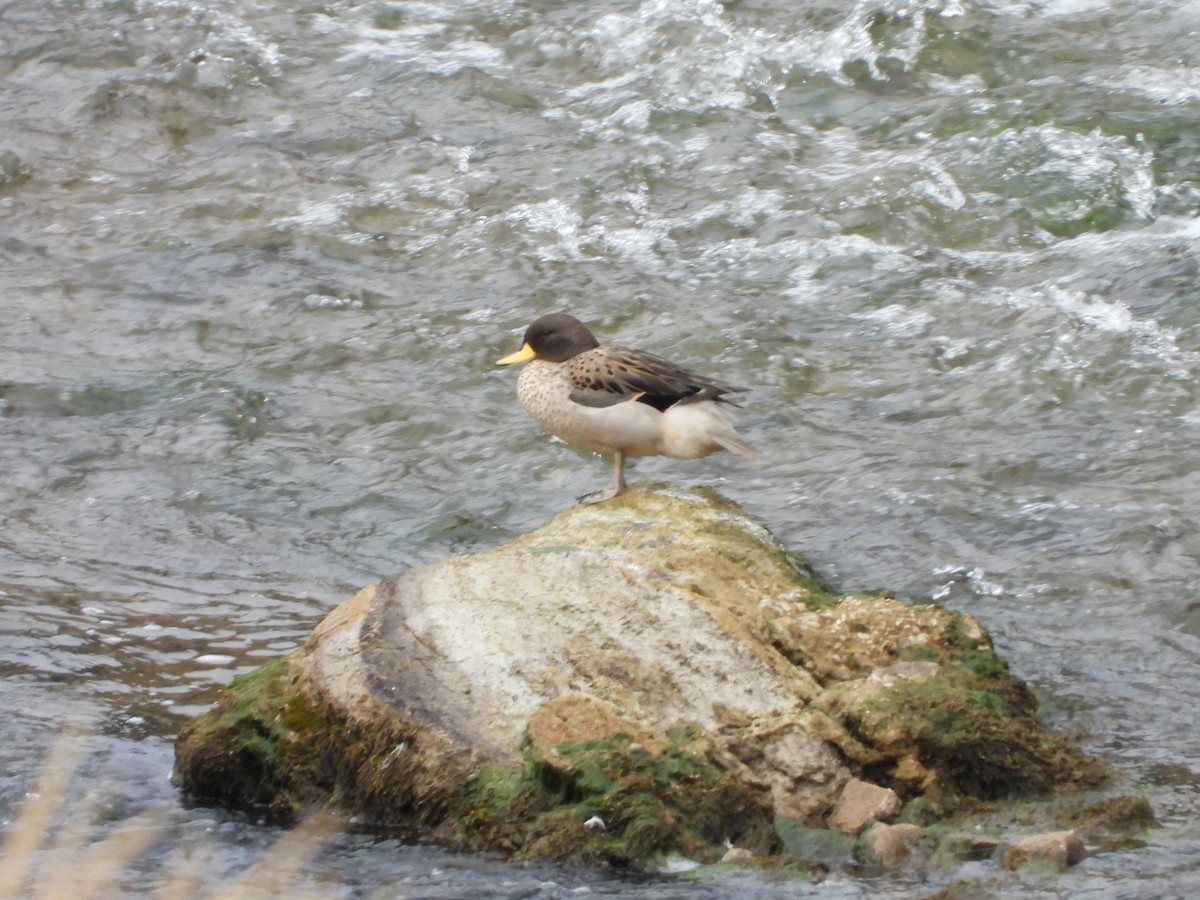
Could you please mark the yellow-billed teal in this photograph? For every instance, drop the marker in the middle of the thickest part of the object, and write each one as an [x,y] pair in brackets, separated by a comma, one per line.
[617,401]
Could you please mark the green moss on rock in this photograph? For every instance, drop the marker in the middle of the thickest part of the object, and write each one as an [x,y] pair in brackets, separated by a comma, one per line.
[975,726]
[268,745]
[650,804]
[271,745]
[229,755]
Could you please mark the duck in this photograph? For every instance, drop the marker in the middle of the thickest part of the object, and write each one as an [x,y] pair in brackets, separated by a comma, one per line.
[618,401]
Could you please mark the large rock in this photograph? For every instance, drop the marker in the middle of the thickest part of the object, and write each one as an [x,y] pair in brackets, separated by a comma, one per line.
[657,664]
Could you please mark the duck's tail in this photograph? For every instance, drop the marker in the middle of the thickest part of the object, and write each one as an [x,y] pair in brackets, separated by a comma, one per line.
[691,430]
[735,444]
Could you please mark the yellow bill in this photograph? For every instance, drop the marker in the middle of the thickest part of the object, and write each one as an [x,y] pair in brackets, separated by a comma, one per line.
[525,354]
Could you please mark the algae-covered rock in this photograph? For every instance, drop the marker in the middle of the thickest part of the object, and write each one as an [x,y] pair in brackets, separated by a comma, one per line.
[648,676]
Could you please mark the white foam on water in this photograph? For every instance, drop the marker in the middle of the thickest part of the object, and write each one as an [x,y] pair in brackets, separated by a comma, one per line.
[899,320]
[1148,339]
[425,40]
[813,255]
[215,659]
[1174,85]
[1060,8]
[940,187]
[428,188]
[552,225]
[413,45]
[952,87]
[742,209]
[828,53]
[1024,9]
[666,55]
[1094,159]
[975,579]
[631,116]
[319,214]
[641,245]
[228,32]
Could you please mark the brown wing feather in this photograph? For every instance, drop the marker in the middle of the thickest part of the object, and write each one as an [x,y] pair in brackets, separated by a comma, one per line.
[611,375]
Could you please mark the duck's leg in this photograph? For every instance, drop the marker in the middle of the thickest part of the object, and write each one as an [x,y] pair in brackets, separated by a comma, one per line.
[618,472]
[618,484]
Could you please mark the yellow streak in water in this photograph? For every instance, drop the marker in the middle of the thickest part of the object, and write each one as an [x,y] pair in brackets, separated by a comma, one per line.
[33,821]
[78,871]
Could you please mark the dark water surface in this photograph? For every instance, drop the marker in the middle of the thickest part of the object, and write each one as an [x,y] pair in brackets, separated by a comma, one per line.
[257,259]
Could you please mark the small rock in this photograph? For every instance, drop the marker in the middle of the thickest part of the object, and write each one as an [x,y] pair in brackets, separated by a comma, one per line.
[863,803]
[825,847]
[803,769]
[595,823]
[737,856]
[1063,848]
[891,844]
[965,845]
[1110,815]
[908,769]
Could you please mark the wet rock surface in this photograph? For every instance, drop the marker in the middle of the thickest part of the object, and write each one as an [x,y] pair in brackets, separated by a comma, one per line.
[1059,848]
[890,845]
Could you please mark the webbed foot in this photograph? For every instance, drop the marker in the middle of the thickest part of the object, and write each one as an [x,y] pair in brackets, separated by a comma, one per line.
[599,496]
[618,482]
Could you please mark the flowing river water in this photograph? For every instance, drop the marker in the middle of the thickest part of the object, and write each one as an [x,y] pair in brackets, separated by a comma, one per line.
[257,260]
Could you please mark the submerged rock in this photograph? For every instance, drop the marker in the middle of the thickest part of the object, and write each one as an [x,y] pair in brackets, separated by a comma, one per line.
[890,845]
[1058,848]
[658,663]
